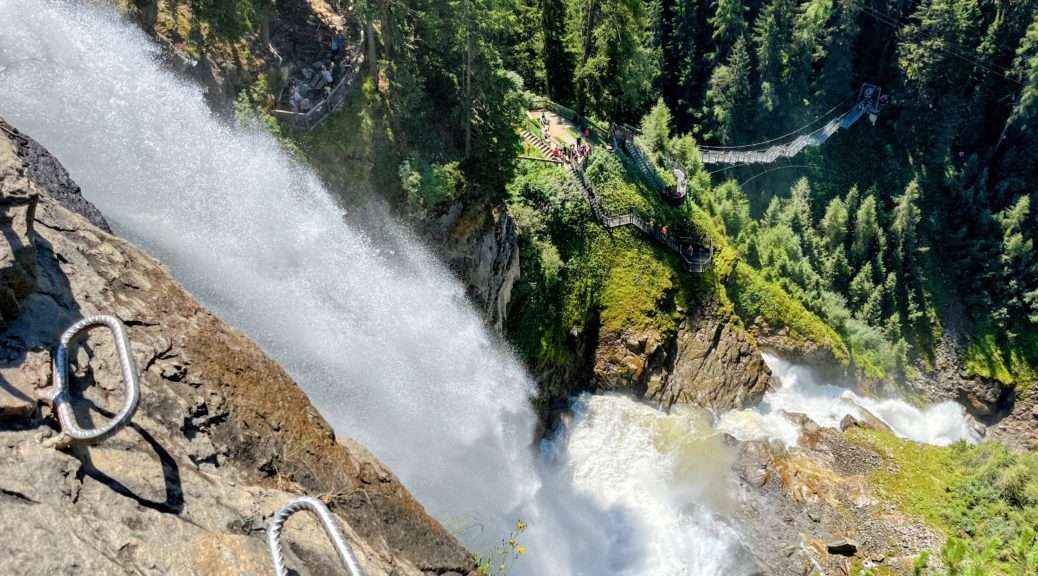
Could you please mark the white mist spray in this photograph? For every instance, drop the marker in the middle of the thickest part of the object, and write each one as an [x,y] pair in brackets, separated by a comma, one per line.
[799,391]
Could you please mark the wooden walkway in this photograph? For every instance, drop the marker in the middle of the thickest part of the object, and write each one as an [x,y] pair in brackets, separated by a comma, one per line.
[696,253]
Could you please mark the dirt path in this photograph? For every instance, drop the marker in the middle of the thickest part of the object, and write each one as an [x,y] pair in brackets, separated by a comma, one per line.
[562,131]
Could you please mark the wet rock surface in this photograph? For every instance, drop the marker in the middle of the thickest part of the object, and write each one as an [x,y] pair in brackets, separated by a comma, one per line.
[481,246]
[222,438]
[716,365]
[810,509]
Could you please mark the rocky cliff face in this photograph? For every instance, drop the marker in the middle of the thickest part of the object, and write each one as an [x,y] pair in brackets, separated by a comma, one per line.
[481,245]
[222,438]
[708,362]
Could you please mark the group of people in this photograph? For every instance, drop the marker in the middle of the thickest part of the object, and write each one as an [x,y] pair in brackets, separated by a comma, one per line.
[318,80]
[575,152]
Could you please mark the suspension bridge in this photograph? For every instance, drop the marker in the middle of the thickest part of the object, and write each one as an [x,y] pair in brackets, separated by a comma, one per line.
[867,103]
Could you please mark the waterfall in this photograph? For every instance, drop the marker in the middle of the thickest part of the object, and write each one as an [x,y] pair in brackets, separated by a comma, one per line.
[800,391]
[381,337]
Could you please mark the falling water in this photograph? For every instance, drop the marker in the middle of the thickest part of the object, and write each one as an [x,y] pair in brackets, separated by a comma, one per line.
[380,336]
[800,391]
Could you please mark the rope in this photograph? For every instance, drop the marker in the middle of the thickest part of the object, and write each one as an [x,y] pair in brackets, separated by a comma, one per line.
[62,402]
[896,26]
[769,171]
[277,525]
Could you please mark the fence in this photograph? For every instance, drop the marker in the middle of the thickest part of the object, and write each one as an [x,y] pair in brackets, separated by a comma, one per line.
[313,117]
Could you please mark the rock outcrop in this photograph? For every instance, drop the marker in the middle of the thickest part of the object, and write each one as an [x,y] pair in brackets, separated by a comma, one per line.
[222,438]
[716,366]
[811,510]
[481,245]
[709,362]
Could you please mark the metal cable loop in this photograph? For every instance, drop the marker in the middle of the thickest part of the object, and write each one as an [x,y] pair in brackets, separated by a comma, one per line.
[331,529]
[62,400]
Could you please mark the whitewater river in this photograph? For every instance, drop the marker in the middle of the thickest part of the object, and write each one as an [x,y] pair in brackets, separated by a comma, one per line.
[379,335]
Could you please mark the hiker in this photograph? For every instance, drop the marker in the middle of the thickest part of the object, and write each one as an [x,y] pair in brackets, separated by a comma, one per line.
[295,99]
[664,231]
[326,73]
[544,118]
[338,44]
[321,79]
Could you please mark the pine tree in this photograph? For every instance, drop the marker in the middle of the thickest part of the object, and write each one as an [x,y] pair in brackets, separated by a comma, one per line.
[834,225]
[866,231]
[729,25]
[677,30]
[1019,262]
[1025,113]
[617,68]
[656,128]
[809,46]
[837,71]
[729,99]
[773,38]
[558,60]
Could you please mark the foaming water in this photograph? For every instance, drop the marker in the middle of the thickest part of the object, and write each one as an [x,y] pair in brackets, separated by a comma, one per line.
[381,337]
[800,391]
[667,471]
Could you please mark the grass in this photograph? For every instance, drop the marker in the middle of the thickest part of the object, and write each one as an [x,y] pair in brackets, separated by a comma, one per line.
[989,356]
[638,282]
[918,479]
[984,498]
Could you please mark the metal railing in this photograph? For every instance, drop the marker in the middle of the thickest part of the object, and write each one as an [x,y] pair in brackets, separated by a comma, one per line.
[867,103]
[694,250]
[317,114]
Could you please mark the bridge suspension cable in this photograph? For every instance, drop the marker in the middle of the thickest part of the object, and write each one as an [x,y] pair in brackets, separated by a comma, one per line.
[896,25]
[782,137]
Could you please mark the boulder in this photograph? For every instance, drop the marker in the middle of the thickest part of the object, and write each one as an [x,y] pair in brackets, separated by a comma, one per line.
[867,421]
[842,547]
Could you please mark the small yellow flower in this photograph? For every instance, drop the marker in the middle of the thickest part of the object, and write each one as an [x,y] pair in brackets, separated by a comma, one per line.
[520,549]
